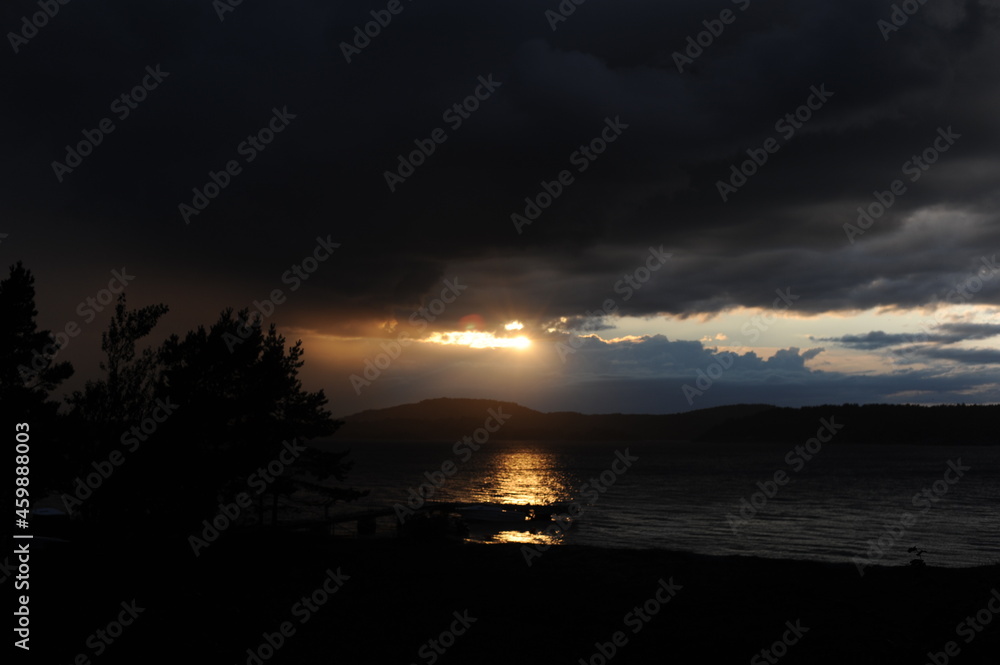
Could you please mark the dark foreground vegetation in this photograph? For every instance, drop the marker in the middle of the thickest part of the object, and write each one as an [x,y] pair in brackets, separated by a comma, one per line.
[168,431]
[393,597]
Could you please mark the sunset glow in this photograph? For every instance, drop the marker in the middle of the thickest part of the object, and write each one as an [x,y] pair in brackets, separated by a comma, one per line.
[478,340]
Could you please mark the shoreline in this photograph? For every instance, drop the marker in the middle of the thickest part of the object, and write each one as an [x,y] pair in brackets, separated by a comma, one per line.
[400,594]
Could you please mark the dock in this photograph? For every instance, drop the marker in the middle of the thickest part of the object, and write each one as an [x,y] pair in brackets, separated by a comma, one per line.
[366,519]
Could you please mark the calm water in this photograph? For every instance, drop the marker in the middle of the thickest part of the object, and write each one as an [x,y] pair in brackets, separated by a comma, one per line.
[678,496]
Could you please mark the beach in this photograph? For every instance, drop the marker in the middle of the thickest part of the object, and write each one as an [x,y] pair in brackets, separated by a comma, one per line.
[259,597]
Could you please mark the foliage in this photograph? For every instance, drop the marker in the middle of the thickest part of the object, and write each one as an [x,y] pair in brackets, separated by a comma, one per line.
[27,373]
[201,415]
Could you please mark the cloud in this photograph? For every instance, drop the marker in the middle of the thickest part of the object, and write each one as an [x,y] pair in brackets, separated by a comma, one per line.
[876,339]
[963,356]
[653,374]
[324,174]
[942,334]
[657,184]
[962,331]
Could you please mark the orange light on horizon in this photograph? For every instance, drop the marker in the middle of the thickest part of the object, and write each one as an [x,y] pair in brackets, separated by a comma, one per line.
[478,340]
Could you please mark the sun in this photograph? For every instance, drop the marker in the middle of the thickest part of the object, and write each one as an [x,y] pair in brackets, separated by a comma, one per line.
[521,343]
[481,339]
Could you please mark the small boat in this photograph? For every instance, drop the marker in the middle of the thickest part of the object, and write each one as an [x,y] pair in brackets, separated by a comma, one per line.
[487,513]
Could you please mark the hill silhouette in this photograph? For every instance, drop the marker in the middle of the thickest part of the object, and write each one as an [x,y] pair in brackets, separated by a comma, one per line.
[448,418]
[452,418]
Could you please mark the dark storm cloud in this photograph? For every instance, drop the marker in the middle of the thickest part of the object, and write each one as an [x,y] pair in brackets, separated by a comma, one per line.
[656,355]
[876,339]
[964,356]
[971,330]
[583,324]
[656,184]
[946,333]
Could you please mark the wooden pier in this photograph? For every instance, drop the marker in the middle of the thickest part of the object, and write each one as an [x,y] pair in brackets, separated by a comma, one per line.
[366,519]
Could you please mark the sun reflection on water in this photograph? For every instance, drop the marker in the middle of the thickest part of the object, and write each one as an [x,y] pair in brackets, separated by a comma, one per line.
[524,476]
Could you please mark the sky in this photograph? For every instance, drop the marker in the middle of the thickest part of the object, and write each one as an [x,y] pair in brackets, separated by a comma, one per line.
[632,207]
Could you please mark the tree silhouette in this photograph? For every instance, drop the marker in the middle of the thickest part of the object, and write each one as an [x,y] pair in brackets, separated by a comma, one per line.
[247,396]
[201,415]
[27,373]
[109,405]
[104,410]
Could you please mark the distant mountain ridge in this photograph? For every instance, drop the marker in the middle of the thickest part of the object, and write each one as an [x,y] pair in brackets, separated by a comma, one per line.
[452,418]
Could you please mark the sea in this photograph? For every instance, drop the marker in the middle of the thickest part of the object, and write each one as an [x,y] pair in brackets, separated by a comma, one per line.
[841,503]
